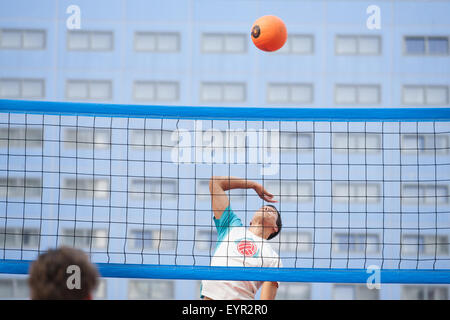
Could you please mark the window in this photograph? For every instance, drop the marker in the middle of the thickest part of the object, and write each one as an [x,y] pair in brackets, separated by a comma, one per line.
[424,292]
[202,189]
[90,40]
[414,244]
[19,137]
[358,45]
[223,92]
[357,94]
[151,289]
[87,138]
[294,141]
[20,238]
[100,291]
[85,188]
[205,238]
[425,95]
[356,142]
[14,289]
[426,45]
[19,187]
[298,44]
[157,41]
[84,238]
[354,292]
[152,239]
[424,193]
[295,241]
[153,138]
[356,243]
[292,191]
[88,90]
[22,88]
[155,91]
[356,192]
[154,188]
[224,43]
[438,46]
[289,93]
[426,143]
[294,291]
[22,39]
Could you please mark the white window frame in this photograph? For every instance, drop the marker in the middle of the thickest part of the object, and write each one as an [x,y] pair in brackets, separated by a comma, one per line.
[205,238]
[89,34]
[154,85]
[89,83]
[21,137]
[153,188]
[424,88]
[294,291]
[290,190]
[425,193]
[288,46]
[357,142]
[222,37]
[357,242]
[22,41]
[164,239]
[19,187]
[357,291]
[16,285]
[425,244]
[290,87]
[427,292]
[87,138]
[96,238]
[155,289]
[356,192]
[222,87]
[85,188]
[357,39]
[357,88]
[424,143]
[157,36]
[299,241]
[21,82]
[19,236]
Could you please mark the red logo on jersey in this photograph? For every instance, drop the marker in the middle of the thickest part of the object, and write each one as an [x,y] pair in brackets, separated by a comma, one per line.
[247,248]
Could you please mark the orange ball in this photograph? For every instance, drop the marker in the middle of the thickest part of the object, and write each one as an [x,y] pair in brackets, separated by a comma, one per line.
[269,33]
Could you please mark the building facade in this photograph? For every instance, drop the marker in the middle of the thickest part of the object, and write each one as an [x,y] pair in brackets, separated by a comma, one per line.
[199,53]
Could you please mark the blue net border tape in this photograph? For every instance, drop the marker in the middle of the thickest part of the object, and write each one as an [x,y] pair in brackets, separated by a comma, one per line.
[114,270]
[226,113]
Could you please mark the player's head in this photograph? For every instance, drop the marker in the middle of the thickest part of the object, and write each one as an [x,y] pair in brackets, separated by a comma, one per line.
[269,218]
[49,275]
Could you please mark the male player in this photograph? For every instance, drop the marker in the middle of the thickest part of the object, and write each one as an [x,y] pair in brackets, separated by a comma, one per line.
[240,246]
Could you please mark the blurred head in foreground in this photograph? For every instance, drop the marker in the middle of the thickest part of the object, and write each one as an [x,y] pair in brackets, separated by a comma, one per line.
[62,274]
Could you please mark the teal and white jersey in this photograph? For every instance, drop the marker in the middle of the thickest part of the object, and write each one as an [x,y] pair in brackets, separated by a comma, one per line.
[238,247]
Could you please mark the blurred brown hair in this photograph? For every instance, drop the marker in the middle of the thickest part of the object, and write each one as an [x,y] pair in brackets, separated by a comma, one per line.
[48,275]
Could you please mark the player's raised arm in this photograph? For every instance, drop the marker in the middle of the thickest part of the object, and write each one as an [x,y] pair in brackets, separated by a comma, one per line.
[219,199]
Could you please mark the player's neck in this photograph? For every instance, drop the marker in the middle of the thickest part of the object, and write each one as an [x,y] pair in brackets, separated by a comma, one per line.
[257,231]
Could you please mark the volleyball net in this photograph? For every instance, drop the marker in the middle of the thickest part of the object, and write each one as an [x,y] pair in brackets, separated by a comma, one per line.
[356,188]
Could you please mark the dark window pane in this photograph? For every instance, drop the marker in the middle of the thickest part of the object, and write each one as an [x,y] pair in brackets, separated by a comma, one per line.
[415,45]
[438,45]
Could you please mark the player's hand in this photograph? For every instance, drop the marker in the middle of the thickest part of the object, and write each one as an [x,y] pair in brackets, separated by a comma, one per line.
[263,193]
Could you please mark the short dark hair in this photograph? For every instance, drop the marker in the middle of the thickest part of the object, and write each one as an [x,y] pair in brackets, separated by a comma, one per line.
[48,275]
[279,224]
